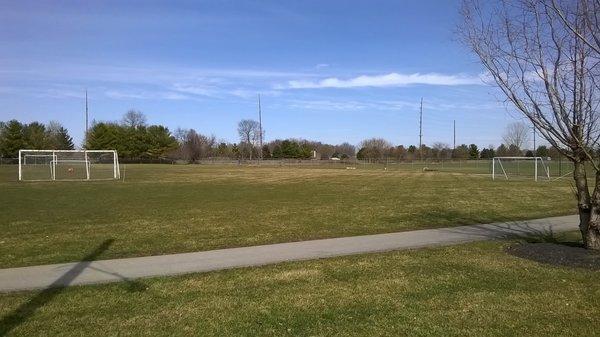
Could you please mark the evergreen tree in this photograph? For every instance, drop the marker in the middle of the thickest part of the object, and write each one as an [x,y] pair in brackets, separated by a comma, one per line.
[223,150]
[12,139]
[158,140]
[289,149]
[514,150]
[64,140]
[277,153]
[487,153]
[266,152]
[360,155]
[305,151]
[132,140]
[35,137]
[542,151]
[58,137]
[473,151]
[461,152]
[502,151]
[104,136]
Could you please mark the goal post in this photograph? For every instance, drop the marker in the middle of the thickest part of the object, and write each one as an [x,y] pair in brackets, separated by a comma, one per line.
[68,165]
[520,167]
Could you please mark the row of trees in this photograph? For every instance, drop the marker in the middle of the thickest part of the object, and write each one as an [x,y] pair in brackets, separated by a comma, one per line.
[15,136]
[515,137]
[380,149]
[194,146]
[132,137]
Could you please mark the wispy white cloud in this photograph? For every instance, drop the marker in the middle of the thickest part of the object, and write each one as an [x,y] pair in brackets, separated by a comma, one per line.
[328,105]
[439,105]
[387,80]
[252,93]
[150,73]
[322,65]
[166,95]
[387,105]
[196,89]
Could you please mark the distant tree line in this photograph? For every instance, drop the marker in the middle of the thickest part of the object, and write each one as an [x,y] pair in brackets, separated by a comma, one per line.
[15,136]
[377,149]
[132,137]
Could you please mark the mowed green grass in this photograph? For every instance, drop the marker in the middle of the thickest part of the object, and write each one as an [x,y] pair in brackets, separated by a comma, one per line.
[161,209]
[466,290]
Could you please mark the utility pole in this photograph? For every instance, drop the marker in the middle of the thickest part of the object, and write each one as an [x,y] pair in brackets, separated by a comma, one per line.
[454,139]
[86,116]
[260,138]
[421,131]
[534,148]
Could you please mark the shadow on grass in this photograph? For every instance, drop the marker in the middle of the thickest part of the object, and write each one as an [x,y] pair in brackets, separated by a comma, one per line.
[27,309]
[539,242]
[556,254]
[556,250]
[510,229]
[441,218]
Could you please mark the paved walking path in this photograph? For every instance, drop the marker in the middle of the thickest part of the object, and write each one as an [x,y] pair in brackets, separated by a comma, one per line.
[86,272]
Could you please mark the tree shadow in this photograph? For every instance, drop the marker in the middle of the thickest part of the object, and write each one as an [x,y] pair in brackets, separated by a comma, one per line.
[521,230]
[442,218]
[555,250]
[556,254]
[27,309]
[537,243]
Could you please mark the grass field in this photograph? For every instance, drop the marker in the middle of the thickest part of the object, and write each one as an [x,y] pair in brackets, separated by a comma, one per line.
[162,209]
[467,290]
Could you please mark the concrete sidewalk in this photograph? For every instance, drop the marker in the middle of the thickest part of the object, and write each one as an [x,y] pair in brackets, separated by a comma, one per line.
[86,272]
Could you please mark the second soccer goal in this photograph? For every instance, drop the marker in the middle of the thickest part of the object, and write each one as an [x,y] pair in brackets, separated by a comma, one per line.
[520,167]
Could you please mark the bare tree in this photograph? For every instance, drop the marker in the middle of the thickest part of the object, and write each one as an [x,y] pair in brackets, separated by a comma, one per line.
[196,146]
[374,148]
[345,150]
[516,134]
[180,134]
[134,119]
[441,150]
[538,60]
[249,132]
[586,12]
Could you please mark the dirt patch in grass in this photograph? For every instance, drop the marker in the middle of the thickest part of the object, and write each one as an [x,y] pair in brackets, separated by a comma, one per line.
[557,255]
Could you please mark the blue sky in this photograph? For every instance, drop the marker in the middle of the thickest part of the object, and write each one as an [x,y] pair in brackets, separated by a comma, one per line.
[326,70]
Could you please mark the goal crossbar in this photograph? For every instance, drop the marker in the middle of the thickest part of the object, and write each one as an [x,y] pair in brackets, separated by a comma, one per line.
[70,151]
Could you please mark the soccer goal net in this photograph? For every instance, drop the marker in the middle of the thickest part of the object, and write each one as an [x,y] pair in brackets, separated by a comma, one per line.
[44,165]
[520,168]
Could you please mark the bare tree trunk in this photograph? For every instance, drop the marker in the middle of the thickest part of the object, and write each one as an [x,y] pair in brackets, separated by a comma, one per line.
[583,197]
[591,237]
[589,207]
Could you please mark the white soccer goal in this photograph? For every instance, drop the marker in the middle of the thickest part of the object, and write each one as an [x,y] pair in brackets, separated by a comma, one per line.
[520,167]
[68,165]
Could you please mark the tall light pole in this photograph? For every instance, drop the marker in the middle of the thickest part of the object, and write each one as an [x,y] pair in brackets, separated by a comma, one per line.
[86,118]
[421,131]
[454,138]
[260,137]
[534,148]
